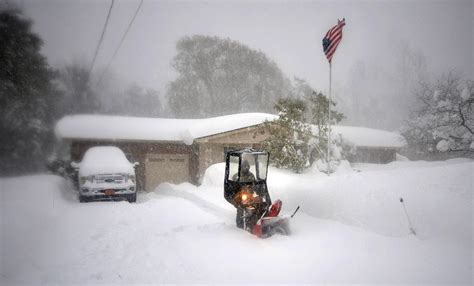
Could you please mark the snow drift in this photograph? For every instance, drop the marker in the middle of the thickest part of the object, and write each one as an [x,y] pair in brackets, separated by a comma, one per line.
[351,229]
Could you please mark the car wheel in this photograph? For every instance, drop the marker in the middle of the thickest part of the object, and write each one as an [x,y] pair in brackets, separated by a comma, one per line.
[83,199]
[132,198]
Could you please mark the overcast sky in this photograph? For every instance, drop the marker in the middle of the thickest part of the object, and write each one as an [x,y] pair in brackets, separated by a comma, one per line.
[289,32]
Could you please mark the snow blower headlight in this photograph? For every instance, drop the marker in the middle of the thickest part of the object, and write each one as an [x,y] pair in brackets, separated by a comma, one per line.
[246,198]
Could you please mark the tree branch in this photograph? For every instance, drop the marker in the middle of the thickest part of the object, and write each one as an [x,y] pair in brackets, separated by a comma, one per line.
[463,120]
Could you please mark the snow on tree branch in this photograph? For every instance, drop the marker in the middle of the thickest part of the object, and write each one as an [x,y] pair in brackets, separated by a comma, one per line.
[445,120]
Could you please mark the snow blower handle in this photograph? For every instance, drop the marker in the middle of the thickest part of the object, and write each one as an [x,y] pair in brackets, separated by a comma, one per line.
[295,211]
[412,230]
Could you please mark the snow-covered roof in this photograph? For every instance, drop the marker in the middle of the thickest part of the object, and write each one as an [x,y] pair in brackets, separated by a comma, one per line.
[153,129]
[368,137]
[186,130]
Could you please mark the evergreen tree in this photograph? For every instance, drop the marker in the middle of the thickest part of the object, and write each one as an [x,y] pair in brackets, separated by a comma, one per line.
[319,107]
[317,113]
[25,95]
[289,141]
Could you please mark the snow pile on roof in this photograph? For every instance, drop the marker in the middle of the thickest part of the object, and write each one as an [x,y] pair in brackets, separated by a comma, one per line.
[186,130]
[105,160]
[368,137]
[153,129]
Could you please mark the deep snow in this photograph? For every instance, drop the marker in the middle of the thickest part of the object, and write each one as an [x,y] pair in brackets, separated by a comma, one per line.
[351,229]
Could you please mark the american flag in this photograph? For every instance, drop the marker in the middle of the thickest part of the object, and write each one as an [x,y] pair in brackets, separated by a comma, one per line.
[333,38]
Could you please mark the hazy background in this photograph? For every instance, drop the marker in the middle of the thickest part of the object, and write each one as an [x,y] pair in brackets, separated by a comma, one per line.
[369,67]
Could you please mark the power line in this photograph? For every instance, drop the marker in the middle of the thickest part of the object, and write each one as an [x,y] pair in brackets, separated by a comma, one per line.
[101,38]
[121,41]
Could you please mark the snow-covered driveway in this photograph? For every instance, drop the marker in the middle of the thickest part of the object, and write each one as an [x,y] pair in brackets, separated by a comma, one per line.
[351,228]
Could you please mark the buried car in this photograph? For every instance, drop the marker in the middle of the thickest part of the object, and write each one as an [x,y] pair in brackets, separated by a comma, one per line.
[105,174]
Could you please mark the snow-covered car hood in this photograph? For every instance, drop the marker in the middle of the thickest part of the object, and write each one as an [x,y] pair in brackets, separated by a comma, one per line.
[105,160]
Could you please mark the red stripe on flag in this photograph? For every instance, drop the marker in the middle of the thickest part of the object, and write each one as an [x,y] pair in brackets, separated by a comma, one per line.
[332,48]
[336,38]
[334,35]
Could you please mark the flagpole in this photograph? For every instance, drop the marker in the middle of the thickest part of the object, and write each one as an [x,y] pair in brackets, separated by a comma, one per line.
[329,120]
[330,42]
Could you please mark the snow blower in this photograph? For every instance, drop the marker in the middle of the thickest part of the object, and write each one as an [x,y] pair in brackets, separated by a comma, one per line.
[245,187]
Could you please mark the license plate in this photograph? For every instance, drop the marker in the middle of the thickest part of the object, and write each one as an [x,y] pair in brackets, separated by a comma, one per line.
[109,192]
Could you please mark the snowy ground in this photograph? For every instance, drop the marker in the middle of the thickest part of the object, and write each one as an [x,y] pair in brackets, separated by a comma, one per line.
[351,229]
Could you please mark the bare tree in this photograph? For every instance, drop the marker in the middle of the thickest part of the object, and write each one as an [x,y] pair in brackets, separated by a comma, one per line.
[77,94]
[220,76]
[445,120]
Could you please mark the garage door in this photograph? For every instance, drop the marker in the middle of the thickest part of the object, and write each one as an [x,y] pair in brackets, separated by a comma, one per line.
[161,168]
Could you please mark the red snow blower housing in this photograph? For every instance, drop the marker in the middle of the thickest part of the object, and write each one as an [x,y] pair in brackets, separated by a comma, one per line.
[245,187]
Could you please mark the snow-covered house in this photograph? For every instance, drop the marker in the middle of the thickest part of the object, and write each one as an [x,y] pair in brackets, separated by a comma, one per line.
[180,150]
[168,150]
[371,145]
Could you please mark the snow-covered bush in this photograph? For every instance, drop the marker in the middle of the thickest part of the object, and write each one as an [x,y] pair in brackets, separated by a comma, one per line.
[340,150]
